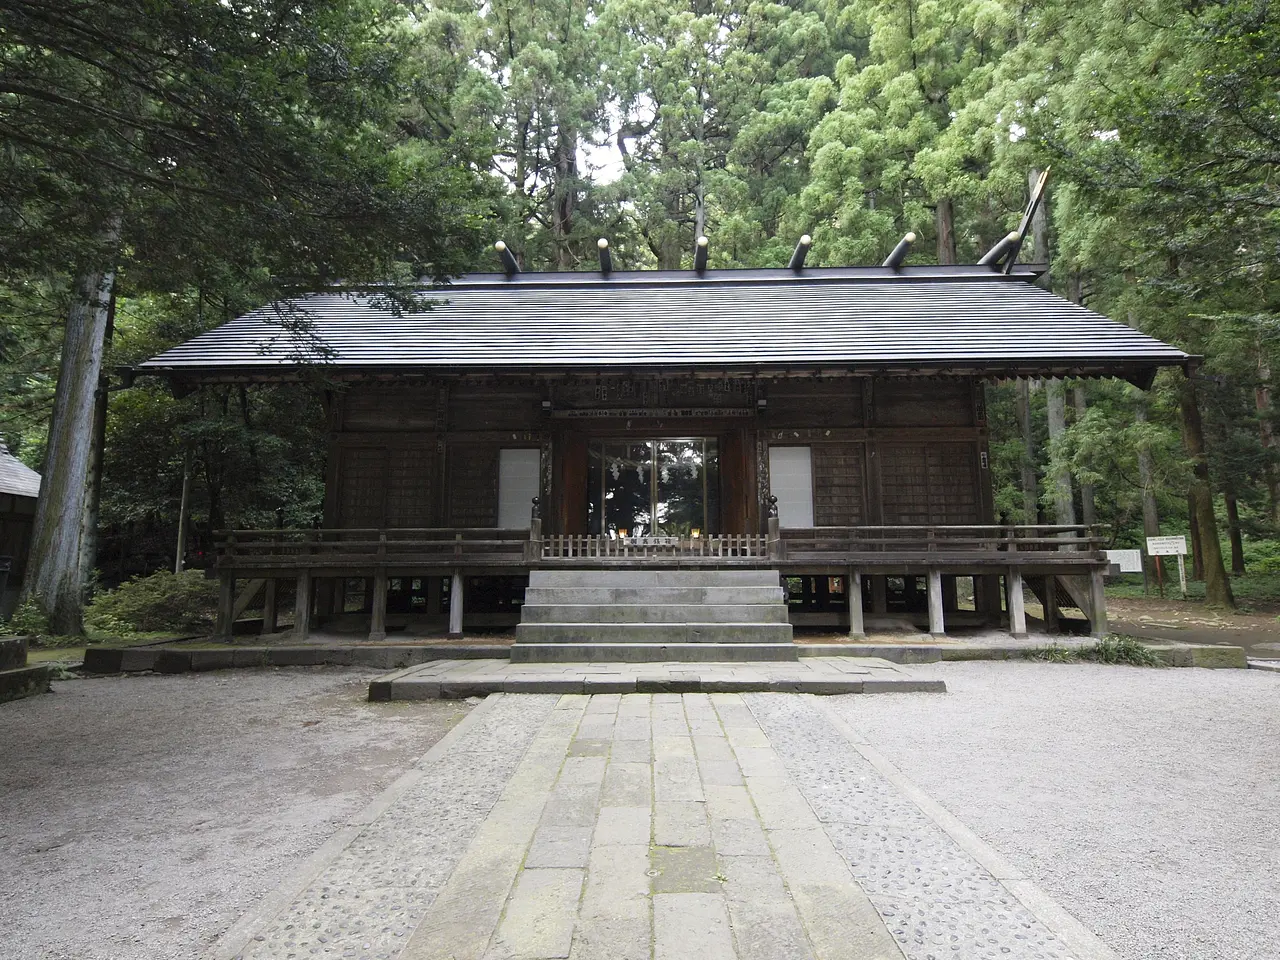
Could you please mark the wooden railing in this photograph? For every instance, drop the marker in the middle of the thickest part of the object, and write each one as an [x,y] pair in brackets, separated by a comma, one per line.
[454,547]
[923,543]
[353,547]
[740,546]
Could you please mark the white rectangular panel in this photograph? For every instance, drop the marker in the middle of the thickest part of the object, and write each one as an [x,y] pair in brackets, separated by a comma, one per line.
[791,481]
[517,486]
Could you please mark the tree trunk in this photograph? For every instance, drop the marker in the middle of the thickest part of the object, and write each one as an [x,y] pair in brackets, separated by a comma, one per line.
[1030,485]
[53,579]
[565,189]
[1063,501]
[1088,506]
[1233,531]
[1197,555]
[93,492]
[945,217]
[1217,588]
[1146,477]
[1039,227]
[1262,399]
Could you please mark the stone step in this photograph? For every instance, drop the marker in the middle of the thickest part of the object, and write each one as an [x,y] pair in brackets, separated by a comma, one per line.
[648,595]
[655,633]
[24,681]
[653,578]
[522,652]
[653,613]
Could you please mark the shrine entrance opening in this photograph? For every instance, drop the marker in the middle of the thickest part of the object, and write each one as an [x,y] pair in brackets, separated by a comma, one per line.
[654,488]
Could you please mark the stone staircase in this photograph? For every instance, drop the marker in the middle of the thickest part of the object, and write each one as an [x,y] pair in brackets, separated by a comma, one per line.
[653,615]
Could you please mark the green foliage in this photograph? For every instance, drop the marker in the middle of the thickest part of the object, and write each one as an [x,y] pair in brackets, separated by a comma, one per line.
[163,601]
[1054,653]
[1117,648]
[1113,648]
[1262,556]
[253,149]
[28,620]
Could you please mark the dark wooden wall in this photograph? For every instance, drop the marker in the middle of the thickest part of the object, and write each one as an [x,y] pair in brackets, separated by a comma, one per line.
[884,451]
[17,514]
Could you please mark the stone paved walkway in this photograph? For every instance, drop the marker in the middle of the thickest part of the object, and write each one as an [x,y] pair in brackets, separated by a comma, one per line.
[456,679]
[657,827]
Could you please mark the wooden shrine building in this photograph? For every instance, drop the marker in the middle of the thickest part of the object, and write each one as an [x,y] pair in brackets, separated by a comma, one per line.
[828,424]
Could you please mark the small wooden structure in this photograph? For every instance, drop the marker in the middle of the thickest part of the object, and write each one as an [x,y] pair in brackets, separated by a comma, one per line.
[827,423]
[19,491]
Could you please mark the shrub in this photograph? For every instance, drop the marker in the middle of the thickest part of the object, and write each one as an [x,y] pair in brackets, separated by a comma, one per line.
[1053,653]
[1116,648]
[28,620]
[162,601]
[1261,556]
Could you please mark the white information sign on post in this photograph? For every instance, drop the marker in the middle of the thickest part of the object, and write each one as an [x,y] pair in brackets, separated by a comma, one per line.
[1166,546]
[1129,561]
[1171,547]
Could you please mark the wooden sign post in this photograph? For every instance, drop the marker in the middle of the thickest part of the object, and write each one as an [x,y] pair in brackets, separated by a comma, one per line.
[1169,547]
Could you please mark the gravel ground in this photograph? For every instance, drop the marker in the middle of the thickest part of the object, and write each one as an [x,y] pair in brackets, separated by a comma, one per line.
[1144,801]
[141,816]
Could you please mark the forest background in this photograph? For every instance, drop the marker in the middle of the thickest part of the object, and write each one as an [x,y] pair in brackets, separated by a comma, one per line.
[172,166]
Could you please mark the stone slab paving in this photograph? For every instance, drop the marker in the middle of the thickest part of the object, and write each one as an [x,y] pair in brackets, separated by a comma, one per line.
[661,827]
[456,679]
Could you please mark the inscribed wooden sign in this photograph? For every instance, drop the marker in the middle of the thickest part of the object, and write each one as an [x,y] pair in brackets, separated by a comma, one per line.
[1166,546]
[1129,561]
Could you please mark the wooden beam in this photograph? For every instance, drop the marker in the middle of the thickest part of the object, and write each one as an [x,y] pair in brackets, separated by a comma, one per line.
[853,587]
[1051,603]
[378,614]
[1098,600]
[246,597]
[269,613]
[937,625]
[226,607]
[302,606]
[1017,608]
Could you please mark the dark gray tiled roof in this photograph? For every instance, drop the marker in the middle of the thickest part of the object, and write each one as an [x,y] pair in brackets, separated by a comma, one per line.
[16,477]
[959,318]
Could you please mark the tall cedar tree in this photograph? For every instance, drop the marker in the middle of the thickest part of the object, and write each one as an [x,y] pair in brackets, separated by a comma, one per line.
[156,140]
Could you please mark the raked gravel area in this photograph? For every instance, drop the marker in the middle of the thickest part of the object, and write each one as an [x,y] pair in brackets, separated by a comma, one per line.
[1144,801]
[140,817]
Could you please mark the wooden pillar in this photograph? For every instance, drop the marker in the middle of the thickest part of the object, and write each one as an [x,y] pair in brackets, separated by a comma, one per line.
[853,588]
[879,595]
[455,606]
[269,612]
[378,612]
[302,607]
[936,622]
[1017,610]
[1051,603]
[1097,600]
[226,607]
